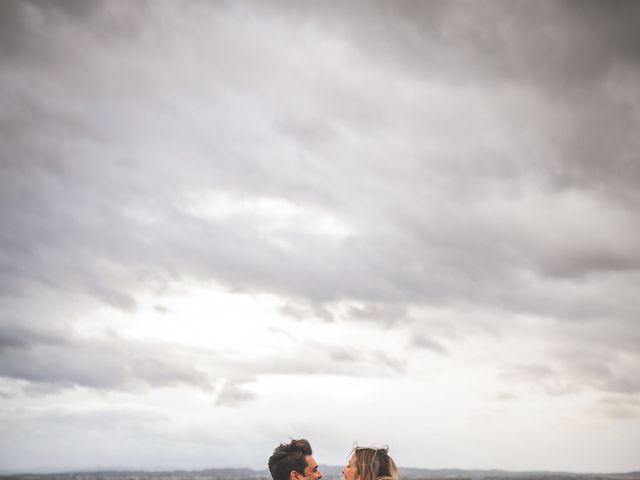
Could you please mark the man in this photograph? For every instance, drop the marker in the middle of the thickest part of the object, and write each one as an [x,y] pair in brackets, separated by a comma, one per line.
[293,461]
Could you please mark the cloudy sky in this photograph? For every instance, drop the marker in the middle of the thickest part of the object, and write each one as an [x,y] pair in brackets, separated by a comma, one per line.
[224,224]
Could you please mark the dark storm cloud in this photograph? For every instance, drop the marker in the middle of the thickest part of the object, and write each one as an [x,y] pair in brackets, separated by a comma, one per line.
[585,60]
[480,160]
[399,265]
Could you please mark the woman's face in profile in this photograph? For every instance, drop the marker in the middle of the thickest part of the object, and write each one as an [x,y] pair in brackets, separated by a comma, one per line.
[350,471]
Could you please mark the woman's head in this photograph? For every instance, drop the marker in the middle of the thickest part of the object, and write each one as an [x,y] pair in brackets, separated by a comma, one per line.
[370,464]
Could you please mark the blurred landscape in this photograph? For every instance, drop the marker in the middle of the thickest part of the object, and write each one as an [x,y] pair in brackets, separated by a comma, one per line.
[329,472]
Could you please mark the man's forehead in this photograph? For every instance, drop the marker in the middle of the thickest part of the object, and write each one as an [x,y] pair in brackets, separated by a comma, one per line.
[311,463]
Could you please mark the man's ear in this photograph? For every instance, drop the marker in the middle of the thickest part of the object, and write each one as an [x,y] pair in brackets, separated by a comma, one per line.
[293,475]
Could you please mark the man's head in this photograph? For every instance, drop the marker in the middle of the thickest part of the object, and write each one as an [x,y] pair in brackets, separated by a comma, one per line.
[293,461]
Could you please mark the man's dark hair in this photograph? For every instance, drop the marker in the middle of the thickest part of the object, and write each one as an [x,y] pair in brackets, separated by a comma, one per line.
[289,457]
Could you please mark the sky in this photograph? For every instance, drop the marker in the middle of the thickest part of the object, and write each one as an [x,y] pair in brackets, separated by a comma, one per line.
[228,224]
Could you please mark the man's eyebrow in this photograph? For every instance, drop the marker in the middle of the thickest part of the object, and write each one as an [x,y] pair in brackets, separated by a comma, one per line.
[315,468]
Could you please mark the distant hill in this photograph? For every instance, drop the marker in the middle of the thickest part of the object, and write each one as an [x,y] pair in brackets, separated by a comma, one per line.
[329,472]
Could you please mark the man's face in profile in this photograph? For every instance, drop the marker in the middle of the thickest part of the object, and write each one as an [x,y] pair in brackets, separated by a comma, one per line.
[311,472]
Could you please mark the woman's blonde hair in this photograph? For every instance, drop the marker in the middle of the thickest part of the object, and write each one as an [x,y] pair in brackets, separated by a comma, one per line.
[375,464]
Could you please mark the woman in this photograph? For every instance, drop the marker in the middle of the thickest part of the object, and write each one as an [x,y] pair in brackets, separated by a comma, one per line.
[370,464]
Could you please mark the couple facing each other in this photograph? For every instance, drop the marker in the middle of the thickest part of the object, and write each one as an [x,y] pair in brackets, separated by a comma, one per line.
[294,461]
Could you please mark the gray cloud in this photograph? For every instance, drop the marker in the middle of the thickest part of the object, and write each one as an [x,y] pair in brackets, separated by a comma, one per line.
[56,359]
[601,367]
[234,393]
[479,161]
[423,341]
[409,259]
[580,367]
[617,408]
[543,377]
[15,336]
[52,360]
[384,314]
[314,358]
